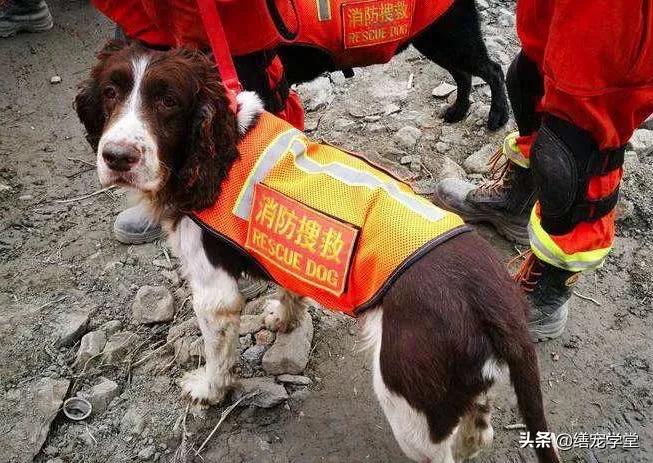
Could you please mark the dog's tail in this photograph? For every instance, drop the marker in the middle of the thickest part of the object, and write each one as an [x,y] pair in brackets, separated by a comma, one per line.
[513,345]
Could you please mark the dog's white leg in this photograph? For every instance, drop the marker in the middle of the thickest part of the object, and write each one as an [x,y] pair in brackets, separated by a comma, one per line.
[409,425]
[217,303]
[283,314]
[475,432]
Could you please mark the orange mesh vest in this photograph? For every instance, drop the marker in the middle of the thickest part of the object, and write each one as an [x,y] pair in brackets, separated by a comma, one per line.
[321,222]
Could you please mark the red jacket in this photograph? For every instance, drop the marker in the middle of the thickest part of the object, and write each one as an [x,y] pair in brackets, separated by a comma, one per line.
[354,32]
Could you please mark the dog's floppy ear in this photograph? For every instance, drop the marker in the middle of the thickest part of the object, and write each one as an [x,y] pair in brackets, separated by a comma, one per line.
[89,110]
[88,103]
[212,143]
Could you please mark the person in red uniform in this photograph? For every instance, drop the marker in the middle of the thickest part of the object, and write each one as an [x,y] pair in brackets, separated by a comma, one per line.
[581,85]
[175,23]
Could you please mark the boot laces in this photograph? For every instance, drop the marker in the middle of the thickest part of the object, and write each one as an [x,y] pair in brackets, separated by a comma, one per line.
[529,273]
[499,177]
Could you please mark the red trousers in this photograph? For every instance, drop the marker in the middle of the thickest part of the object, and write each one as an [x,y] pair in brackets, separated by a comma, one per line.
[596,59]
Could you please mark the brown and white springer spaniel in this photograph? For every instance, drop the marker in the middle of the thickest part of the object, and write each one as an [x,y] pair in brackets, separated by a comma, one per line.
[445,330]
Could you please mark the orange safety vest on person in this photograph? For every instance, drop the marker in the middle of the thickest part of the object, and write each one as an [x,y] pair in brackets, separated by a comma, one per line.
[353,32]
[321,222]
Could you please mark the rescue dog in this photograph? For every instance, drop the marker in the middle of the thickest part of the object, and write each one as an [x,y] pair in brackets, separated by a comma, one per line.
[440,338]
[454,42]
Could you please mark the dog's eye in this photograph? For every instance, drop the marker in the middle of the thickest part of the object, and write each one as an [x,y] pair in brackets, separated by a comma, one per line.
[168,101]
[109,92]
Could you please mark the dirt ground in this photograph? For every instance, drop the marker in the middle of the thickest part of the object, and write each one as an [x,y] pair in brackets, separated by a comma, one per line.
[58,257]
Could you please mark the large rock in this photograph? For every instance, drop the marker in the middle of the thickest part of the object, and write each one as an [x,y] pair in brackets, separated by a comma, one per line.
[91,345]
[290,351]
[407,136]
[267,393]
[33,408]
[479,162]
[250,324]
[118,346]
[100,395]
[153,304]
[70,327]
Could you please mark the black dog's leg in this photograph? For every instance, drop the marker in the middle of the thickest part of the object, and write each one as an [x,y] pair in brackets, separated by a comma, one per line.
[457,111]
[455,43]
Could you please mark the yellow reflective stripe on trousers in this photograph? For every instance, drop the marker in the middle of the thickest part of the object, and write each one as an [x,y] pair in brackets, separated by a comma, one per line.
[512,152]
[548,251]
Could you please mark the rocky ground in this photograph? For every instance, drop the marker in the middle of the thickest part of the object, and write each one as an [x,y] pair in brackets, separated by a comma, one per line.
[83,315]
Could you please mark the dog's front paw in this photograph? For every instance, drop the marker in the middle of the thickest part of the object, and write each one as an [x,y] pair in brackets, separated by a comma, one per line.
[275,316]
[200,390]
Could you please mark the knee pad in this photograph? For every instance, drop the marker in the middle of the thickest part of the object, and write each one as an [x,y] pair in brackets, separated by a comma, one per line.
[525,88]
[563,159]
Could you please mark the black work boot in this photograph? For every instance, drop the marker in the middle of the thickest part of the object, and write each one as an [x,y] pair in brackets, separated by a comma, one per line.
[548,290]
[504,200]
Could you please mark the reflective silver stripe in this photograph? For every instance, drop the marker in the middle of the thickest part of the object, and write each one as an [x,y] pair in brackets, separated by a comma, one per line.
[294,141]
[354,177]
[323,10]
[549,257]
[266,162]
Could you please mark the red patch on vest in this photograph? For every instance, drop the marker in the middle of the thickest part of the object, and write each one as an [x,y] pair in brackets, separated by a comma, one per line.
[299,240]
[372,22]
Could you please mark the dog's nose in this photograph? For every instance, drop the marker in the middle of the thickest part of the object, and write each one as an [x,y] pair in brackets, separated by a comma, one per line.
[120,157]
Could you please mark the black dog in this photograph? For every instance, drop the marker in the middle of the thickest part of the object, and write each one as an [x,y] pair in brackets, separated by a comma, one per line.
[453,42]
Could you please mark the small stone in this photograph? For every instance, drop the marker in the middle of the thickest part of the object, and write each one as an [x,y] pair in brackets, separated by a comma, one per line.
[51,451]
[172,276]
[100,395]
[4,187]
[117,346]
[479,162]
[295,379]
[442,147]
[642,142]
[254,354]
[268,392]
[188,327]
[407,159]
[372,118]
[300,394]
[163,263]
[153,304]
[91,345]
[290,352]
[407,136]
[55,80]
[70,328]
[147,453]
[245,342]
[264,338]
[443,90]
[133,422]
[111,327]
[250,324]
